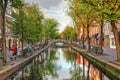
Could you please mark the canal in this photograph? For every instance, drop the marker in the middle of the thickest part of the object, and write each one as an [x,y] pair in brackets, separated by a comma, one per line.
[65,64]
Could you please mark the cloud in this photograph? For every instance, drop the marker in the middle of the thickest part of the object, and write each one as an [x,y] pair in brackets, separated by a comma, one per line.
[63,20]
[45,11]
[61,17]
[46,3]
[54,9]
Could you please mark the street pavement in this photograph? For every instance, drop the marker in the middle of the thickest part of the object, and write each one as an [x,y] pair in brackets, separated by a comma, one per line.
[110,52]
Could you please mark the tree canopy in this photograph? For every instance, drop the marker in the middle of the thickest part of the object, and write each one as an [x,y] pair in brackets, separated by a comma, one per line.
[51,28]
[69,33]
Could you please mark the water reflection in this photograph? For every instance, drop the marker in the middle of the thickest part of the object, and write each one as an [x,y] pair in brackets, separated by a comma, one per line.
[62,64]
[76,73]
[65,64]
[45,68]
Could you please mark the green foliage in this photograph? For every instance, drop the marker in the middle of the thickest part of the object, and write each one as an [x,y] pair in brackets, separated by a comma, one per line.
[28,21]
[17,3]
[51,28]
[46,67]
[31,26]
[82,14]
[109,8]
[76,73]
[69,33]
[69,55]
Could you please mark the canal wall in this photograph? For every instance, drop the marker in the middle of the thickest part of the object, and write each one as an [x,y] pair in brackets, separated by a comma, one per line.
[110,70]
[20,65]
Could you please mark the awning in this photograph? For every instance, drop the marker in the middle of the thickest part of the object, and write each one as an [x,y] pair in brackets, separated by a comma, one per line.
[95,35]
[98,36]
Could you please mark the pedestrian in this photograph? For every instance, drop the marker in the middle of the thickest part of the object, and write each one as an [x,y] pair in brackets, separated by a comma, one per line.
[30,49]
[14,50]
[9,55]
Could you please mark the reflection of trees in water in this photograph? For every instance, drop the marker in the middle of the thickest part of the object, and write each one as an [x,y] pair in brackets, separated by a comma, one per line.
[69,55]
[75,73]
[45,68]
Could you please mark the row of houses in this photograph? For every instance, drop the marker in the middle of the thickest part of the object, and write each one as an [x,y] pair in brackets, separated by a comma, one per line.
[10,38]
[108,40]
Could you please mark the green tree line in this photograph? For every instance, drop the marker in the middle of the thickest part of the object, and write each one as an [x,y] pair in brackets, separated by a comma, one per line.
[28,23]
[85,12]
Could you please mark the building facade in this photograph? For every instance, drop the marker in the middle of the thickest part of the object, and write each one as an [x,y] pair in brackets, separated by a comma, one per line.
[108,35]
[10,39]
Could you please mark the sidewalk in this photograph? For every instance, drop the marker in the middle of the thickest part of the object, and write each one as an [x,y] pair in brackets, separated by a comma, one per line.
[13,62]
[21,58]
[109,55]
[110,51]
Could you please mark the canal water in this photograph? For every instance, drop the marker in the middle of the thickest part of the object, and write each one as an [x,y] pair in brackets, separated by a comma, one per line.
[66,64]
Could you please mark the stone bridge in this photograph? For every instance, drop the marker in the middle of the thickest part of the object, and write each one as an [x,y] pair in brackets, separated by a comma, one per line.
[63,43]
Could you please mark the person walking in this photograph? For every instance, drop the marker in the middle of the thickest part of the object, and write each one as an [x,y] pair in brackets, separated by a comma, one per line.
[14,50]
[9,54]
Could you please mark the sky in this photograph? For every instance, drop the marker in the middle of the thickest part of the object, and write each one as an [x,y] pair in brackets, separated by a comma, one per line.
[54,9]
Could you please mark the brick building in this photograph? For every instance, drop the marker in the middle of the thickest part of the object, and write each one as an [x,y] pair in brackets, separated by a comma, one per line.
[108,40]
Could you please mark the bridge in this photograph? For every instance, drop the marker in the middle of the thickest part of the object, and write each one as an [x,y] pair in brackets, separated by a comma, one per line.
[63,43]
[108,69]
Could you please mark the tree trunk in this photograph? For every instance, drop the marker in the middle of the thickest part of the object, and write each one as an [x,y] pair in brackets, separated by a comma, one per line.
[21,25]
[100,50]
[83,45]
[89,49]
[3,37]
[3,6]
[117,43]
[22,37]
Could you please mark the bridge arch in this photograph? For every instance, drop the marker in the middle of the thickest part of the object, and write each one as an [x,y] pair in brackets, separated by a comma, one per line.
[60,43]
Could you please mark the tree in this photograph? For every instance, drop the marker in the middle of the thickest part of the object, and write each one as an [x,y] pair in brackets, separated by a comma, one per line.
[78,20]
[3,7]
[111,12]
[69,33]
[28,23]
[51,28]
[83,15]
[33,23]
